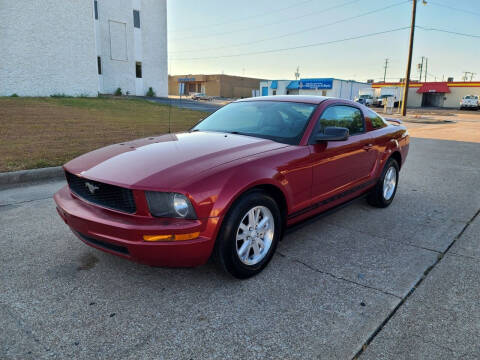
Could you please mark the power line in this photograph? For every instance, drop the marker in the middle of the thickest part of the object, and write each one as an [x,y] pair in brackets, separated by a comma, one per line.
[295,47]
[249,17]
[301,31]
[266,25]
[454,8]
[448,32]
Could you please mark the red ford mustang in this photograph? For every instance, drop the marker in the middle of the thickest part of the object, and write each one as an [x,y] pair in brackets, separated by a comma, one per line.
[229,187]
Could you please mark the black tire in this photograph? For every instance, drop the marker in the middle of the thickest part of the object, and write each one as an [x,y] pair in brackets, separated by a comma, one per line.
[376,197]
[225,251]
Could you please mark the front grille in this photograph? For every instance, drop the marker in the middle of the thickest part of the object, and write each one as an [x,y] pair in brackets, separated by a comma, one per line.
[104,245]
[106,195]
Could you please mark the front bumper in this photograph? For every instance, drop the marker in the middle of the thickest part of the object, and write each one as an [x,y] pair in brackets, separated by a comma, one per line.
[122,234]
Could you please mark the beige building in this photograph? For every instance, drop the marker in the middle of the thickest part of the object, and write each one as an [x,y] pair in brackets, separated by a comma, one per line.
[436,94]
[225,86]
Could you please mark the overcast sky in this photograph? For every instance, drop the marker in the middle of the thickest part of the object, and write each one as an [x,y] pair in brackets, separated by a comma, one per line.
[203,34]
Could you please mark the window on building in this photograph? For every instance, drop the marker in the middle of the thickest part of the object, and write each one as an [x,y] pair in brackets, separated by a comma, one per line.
[274,92]
[343,116]
[136,19]
[95,6]
[99,65]
[324,92]
[138,69]
[199,88]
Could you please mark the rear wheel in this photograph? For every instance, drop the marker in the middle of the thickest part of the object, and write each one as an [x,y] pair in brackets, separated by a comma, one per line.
[383,193]
[249,235]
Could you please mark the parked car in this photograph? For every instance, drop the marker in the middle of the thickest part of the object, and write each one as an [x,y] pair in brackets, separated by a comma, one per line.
[201,96]
[470,102]
[229,187]
[387,92]
[366,96]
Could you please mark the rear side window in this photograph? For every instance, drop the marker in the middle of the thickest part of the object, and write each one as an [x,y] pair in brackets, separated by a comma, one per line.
[343,116]
[375,119]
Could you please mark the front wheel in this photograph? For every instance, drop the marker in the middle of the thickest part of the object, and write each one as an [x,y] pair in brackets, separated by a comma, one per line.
[249,235]
[384,191]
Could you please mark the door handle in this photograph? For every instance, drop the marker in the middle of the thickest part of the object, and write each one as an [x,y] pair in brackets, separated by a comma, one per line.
[368,147]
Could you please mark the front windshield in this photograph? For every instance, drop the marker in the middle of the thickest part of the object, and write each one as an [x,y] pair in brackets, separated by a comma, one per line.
[283,122]
[365,97]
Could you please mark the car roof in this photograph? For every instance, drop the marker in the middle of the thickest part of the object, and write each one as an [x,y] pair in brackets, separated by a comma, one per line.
[307,99]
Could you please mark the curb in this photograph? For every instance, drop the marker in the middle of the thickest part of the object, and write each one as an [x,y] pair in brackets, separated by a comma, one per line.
[23,176]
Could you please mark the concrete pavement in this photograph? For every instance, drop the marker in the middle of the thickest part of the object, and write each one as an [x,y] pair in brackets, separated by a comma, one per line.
[441,319]
[335,285]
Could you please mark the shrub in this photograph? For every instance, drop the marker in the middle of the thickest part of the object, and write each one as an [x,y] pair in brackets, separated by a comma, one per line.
[14,95]
[59,96]
[151,92]
[118,92]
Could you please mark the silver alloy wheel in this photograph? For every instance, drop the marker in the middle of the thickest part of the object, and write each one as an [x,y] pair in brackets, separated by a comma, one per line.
[255,235]
[389,183]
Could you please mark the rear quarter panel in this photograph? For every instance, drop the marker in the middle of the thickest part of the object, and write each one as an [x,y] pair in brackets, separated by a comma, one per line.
[388,140]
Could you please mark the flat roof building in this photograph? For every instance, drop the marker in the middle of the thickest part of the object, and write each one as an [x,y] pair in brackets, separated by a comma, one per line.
[83,47]
[344,89]
[435,94]
[224,86]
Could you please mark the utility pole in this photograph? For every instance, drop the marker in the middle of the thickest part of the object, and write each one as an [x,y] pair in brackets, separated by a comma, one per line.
[472,75]
[421,68]
[409,62]
[426,68]
[297,73]
[385,73]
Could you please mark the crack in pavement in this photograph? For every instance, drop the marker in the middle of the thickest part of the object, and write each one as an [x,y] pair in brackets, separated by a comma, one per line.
[22,326]
[412,290]
[24,202]
[336,276]
[384,238]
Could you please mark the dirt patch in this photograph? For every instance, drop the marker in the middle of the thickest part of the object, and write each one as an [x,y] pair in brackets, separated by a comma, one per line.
[87,262]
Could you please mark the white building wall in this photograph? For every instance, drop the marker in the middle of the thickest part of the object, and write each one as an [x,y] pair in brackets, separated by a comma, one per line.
[122,45]
[47,47]
[344,89]
[280,90]
[154,36]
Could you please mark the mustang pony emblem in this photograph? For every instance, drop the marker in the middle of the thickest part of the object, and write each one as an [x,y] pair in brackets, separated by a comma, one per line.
[92,188]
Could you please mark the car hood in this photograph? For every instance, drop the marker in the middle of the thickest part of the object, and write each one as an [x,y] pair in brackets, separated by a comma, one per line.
[166,161]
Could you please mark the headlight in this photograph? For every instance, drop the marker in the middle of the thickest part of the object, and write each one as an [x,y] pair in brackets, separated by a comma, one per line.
[170,205]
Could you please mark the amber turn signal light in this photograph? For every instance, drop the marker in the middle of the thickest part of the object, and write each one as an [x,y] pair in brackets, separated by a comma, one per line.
[178,237]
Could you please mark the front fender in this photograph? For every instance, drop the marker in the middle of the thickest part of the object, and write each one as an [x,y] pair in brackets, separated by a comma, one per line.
[286,169]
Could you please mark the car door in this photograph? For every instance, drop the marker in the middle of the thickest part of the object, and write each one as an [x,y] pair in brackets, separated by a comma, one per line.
[339,166]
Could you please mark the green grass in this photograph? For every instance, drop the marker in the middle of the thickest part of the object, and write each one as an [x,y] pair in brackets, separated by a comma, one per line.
[43,132]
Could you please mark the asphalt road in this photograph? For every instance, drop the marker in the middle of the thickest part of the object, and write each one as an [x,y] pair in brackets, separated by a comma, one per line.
[401,282]
[188,104]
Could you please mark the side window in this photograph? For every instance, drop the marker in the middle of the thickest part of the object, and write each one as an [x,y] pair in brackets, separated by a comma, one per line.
[375,119]
[343,116]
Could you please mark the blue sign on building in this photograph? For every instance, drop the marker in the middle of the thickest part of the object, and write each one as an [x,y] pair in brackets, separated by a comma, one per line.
[182,80]
[316,84]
